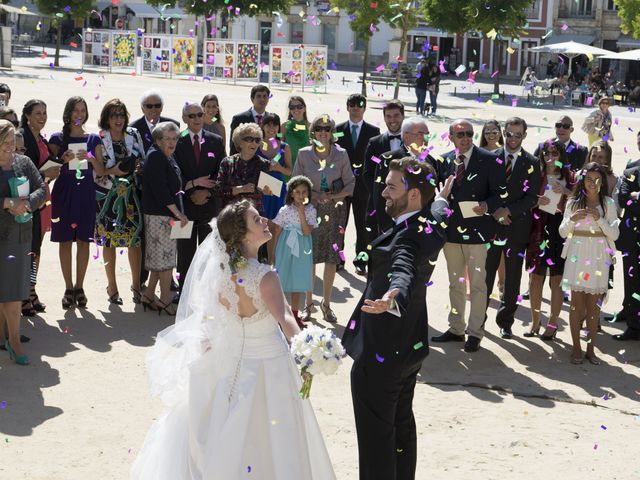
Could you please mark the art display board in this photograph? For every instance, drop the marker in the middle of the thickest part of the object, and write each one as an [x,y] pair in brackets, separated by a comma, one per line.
[231,59]
[184,55]
[298,65]
[156,54]
[108,49]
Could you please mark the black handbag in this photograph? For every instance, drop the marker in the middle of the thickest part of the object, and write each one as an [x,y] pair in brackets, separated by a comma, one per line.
[337,186]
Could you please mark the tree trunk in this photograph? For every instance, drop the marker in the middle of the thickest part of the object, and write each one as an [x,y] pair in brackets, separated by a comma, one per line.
[56,61]
[403,46]
[497,53]
[365,65]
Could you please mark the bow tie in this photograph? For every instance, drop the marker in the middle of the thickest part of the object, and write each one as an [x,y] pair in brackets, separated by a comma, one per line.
[396,137]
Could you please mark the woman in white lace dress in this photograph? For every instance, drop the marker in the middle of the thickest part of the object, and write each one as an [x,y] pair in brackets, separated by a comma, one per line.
[225,373]
[590,225]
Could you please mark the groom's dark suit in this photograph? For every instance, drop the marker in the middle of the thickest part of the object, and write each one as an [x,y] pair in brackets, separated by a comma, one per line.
[388,350]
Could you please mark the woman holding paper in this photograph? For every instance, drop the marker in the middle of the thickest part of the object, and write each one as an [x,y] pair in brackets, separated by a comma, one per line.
[239,174]
[33,121]
[21,192]
[73,198]
[161,206]
[327,166]
[544,253]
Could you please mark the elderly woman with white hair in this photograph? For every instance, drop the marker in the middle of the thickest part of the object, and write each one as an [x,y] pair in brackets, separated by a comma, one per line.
[238,175]
[161,205]
[151,103]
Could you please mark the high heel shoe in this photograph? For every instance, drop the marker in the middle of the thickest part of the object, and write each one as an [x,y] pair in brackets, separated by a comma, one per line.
[532,332]
[327,313]
[149,303]
[81,298]
[593,360]
[169,308]
[549,337]
[38,306]
[115,298]
[27,309]
[69,299]
[19,359]
[137,296]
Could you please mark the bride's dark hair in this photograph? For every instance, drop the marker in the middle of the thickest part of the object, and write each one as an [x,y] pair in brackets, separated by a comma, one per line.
[232,225]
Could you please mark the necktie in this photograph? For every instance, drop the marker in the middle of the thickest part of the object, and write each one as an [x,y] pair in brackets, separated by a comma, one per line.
[196,148]
[508,167]
[354,135]
[460,170]
[395,137]
[259,118]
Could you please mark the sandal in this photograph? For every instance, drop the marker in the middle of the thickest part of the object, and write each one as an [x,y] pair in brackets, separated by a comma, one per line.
[137,296]
[532,332]
[69,299]
[81,298]
[169,308]
[115,298]
[328,314]
[38,306]
[149,303]
[593,360]
[305,313]
[27,309]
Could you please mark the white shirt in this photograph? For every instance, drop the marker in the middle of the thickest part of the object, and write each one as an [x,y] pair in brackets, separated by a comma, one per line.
[404,217]
[467,156]
[395,143]
[515,156]
[191,135]
[150,125]
[255,114]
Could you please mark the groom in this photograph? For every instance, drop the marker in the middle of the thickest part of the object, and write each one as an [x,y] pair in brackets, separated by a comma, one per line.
[387,334]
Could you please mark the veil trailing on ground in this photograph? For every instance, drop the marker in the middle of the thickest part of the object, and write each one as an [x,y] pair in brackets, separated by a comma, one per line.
[203,323]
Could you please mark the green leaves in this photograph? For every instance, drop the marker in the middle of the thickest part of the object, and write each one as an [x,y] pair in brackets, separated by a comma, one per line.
[629,13]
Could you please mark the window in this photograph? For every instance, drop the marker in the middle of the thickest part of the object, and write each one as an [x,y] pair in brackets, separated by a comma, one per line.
[611,5]
[533,12]
[297,32]
[582,8]
[359,44]
[329,36]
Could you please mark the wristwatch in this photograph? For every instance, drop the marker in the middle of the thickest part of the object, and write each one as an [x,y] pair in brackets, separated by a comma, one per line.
[12,203]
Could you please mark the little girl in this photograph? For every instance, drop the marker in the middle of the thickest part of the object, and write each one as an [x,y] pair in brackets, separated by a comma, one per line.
[590,225]
[294,247]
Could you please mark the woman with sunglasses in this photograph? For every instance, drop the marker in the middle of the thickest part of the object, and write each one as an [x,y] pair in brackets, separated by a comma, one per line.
[598,124]
[238,175]
[8,113]
[213,116]
[544,253]
[327,166]
[32,122]
[119,219]
[295,131]
[491,138]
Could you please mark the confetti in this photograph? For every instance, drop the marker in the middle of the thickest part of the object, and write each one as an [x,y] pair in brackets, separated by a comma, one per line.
[379,358]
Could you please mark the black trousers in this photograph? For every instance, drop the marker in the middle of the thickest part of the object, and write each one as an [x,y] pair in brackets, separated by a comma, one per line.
[514,257]
[631,306]
[385,425]
[187,247]
[358,204]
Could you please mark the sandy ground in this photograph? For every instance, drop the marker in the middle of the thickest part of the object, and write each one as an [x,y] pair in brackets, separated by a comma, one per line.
[516,408]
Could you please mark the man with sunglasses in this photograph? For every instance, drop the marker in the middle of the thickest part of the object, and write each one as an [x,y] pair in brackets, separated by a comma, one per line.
[152,104]
[513,220]
[354,135]
[481,180]
[198,154]
[260,95]
[577,154]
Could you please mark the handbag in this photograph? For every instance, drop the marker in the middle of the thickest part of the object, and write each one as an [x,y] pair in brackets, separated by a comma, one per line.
[337,186]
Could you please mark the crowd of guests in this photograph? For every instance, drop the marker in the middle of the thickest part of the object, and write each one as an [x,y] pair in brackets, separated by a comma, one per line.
[147,187]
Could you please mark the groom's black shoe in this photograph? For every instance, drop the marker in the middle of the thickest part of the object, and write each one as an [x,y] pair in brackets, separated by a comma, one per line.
[628,334]
[448,336]
[506,333]
[472,344]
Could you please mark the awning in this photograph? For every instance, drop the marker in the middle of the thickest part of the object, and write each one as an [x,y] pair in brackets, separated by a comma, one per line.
[176,12]
[584,39]
[143,10]
[19,11]
[628,41]
[426,31]
[30,7]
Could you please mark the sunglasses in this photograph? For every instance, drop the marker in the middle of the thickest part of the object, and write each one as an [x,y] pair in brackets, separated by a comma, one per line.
[152,105]
[466,133]
[195,115]
[491,132]
[297,106]
[117,115]
[513,135]
[21,150]
[322,129]
[565,126]
[355,104]
[552,153]
[252,139]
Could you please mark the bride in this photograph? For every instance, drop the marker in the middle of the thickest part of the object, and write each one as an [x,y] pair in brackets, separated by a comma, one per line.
[225,373]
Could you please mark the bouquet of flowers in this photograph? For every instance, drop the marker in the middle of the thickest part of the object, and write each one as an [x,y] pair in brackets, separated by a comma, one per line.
[316,350]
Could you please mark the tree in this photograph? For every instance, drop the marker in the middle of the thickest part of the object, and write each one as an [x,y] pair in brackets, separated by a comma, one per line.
[629,13]
[228,9]
[61,10]
[496,19]
[405,19]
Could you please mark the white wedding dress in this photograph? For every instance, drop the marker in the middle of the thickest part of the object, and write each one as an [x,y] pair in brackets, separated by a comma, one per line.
[235,413]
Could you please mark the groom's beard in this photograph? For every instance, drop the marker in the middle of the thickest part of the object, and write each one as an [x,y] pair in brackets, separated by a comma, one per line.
[397,207]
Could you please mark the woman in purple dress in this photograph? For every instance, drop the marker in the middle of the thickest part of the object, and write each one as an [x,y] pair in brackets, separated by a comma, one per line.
[73,198]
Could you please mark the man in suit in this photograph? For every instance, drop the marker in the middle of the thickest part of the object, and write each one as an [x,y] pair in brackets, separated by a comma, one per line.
[388,351]
[627,243]
[415,139]
[260,99]
[478,179]
[577,154]
[391,140]
[353,136]
[513,220]
[198,154]
[151,104]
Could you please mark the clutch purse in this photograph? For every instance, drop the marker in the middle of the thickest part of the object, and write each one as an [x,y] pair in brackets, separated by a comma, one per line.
[337,186]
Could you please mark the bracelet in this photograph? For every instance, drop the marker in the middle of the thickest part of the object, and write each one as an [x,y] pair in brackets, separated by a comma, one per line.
[12,203]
